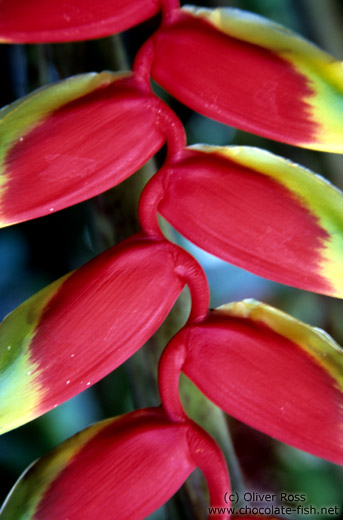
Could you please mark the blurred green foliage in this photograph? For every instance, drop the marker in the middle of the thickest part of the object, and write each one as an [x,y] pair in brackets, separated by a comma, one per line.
[35,253]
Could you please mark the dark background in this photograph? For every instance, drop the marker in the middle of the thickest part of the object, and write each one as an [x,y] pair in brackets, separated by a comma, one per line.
[35,253]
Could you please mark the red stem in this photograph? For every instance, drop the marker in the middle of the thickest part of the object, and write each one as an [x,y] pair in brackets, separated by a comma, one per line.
[148,203]
[192,272]
[185,265]
[167,7]
[169,123]
[210,460]
[143,62]
[169,370]
[204,450]
[172,129]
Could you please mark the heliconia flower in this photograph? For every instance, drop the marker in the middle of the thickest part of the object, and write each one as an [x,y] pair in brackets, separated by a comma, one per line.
[258,211]
[253,74]
[40,21]
[81,327]
[125,467]
[72,140]
[266,369]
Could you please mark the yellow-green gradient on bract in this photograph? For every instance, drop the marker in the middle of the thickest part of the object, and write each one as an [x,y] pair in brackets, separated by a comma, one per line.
[20,389]
[22,116]
[323,73]
[25,496]
[322,200]
[315,342]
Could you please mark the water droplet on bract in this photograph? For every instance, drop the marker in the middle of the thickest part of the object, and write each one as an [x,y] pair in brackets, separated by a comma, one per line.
[72,355]
[68,382]
[9,347]
[51,209]
[88,383]
[55,405]
[21,139]
[28,372]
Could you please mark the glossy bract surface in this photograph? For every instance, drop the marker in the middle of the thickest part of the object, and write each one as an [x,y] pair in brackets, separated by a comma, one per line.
[125,467]
[258,211]
[266,368]
[78,329]
[253,74]
[72,140]
[69,20]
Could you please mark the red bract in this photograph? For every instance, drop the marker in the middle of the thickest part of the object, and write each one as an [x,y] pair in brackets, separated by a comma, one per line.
[60,21]
[227,71]
[77,138]
[124,468]
[258,211]
[251,73]
[266,369]
[73,140]
[80,328]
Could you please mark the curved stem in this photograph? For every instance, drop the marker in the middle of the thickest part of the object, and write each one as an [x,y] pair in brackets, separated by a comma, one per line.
[192,272]
[210,460]
[169,123]
[148,206]
[185,265]
[169,371]
[173,130]
[143,62]
[144,57]
[167,7]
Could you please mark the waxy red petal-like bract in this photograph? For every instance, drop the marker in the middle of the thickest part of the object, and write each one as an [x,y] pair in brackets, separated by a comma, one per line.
[258,211]
[121,468]
[38,21]
[73,140]
[77,330]
[124,468]
[253,74]
[271,372]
